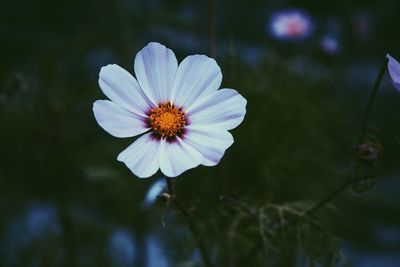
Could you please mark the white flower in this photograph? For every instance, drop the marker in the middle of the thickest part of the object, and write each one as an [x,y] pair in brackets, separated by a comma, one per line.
[330,44]
[182,117]
[291,24]
[394,71]
[158,187]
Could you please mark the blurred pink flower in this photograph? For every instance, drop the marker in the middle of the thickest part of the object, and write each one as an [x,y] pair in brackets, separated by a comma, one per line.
[292,24]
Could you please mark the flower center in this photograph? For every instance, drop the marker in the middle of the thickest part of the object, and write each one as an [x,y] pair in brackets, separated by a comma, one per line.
[166,120]
[295,28]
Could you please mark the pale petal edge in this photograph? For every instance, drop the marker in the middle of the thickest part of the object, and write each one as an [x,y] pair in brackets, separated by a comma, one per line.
[394,71]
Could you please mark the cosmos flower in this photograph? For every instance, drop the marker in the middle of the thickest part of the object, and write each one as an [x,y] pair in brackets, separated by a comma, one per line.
[182,117]
[292,24]
[394,71]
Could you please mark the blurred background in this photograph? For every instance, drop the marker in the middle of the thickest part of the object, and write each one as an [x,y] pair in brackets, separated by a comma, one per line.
[306,69]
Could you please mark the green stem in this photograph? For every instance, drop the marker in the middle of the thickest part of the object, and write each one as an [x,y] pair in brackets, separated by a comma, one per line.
[190,222]
[364,125]
[322,203]
[328,198]
[372,96]
[212,28]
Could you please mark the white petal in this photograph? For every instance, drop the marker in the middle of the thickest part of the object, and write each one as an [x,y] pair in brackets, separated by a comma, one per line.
[141,157]
[122,88]
[155,68]
[117,121]
[197,75]
[177,157]
[394,71]
[224,108]
[210,142]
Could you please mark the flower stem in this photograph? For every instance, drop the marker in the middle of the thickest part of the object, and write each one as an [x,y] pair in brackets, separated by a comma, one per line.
[372,96]
[190,222]
[212,28]
[328,198]
[364,125]
[323,202]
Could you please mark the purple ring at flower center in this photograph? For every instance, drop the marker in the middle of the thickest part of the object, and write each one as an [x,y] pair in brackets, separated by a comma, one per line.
[167,121]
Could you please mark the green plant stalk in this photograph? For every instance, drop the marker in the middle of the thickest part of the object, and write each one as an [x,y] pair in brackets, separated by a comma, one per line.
[372,96]
[367,112]
[323,202]
[212,32]
[190,222]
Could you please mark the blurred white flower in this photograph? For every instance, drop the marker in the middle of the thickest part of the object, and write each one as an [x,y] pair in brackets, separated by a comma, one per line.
[330,44]
[154,191]
[394,71]
[121,248]
[36,227]
[182,116]
[290,24]
[155,253]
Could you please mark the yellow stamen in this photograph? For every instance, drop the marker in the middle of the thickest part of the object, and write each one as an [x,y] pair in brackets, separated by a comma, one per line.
[166,120]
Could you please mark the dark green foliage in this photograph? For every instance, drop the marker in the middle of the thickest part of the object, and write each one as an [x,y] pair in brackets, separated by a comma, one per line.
[280,235]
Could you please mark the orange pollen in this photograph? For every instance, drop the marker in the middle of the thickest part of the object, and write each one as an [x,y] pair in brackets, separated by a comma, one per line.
[167,120]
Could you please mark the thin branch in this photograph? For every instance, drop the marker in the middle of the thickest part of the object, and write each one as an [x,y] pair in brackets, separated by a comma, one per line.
[212,32]
[373,95]
[190,222]
[323,202]
[367,113]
